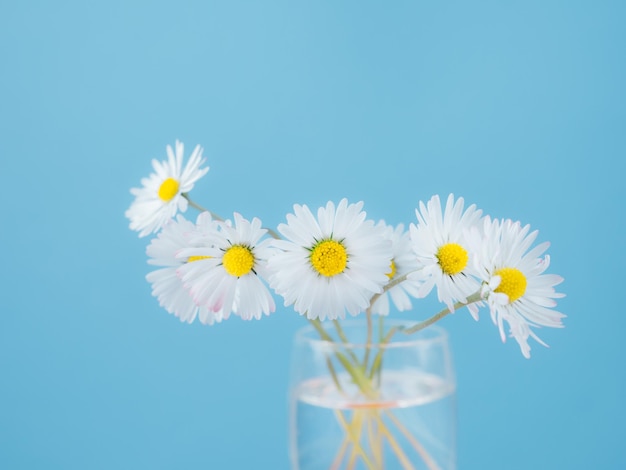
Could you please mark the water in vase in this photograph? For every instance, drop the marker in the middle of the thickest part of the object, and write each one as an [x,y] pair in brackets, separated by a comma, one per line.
[410,425]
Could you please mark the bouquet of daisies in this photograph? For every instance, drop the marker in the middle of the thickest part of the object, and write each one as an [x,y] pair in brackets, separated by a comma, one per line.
[335,262]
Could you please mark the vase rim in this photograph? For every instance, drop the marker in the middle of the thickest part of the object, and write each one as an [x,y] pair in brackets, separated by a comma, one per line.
[430,335]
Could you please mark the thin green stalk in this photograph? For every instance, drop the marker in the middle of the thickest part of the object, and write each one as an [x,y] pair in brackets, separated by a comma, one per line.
[404,460]
[378,370]
[317,324]
[356,445]
[356,426]
[420,326]
[356,373]
[339,457]
[333,374]
[198,207]
[423,453]
[389,285]
[375,442]
[376,365]
[344,338]
[368,342]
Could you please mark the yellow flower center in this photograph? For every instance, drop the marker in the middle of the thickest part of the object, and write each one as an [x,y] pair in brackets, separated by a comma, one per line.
[512,283]
[238,260]
[392,271]
[168,189]
[452,258]
[329,258]
[191,259]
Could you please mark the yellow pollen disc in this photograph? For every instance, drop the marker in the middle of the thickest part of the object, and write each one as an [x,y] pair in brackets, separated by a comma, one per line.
[329,258]
[191,259]
[513,283]
[238,260]
[168,189]
[452,258]
[392,271]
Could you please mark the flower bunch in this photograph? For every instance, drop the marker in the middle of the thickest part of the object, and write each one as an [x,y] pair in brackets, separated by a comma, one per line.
[335,261]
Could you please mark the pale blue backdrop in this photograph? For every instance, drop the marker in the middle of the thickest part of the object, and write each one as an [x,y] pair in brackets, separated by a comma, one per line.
[517,106]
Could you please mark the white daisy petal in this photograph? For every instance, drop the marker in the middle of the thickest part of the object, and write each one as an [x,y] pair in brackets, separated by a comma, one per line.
[161,194]
[439,241]
[228,281]
[331,264]
[403,262]
[164,250]
[513,284]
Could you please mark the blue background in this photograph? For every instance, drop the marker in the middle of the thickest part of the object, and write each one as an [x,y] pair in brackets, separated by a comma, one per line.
[517,106]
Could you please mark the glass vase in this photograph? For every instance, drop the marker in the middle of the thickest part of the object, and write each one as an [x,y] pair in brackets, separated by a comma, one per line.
[365,395]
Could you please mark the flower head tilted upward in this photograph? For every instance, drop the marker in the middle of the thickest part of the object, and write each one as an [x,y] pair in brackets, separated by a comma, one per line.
[331,264]
[161,194]
[167,287]
[439,242]
[514,284]
[227,275]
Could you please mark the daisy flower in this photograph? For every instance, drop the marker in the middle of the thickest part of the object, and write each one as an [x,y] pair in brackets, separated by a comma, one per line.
[227,276]
[166,285]
[439,242]
[514,284]
[161,194]
[402,263]
[331,264]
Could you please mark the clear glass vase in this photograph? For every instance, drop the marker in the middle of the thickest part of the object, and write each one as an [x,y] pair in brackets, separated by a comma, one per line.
[365,395]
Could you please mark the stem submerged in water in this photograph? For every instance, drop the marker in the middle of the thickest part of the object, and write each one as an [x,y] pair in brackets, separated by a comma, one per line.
[372,425]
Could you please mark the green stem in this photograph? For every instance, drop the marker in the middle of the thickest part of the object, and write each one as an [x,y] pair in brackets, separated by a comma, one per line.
[364,381]
[356,373]
[317,324]
[344,338]
[368,342]
[354,439]
[428,460]
[339,457]
[375,442]
[420,326]
[333,374]
[198,207]
[376,365]
[394,282]
[381,329]
[404,460]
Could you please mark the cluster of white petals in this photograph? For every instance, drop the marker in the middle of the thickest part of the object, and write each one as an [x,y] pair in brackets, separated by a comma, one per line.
[337,262]
[167,285]
[226,273]
[403,263]
[161,194]
[331,264]
[440,246]
[513,280]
